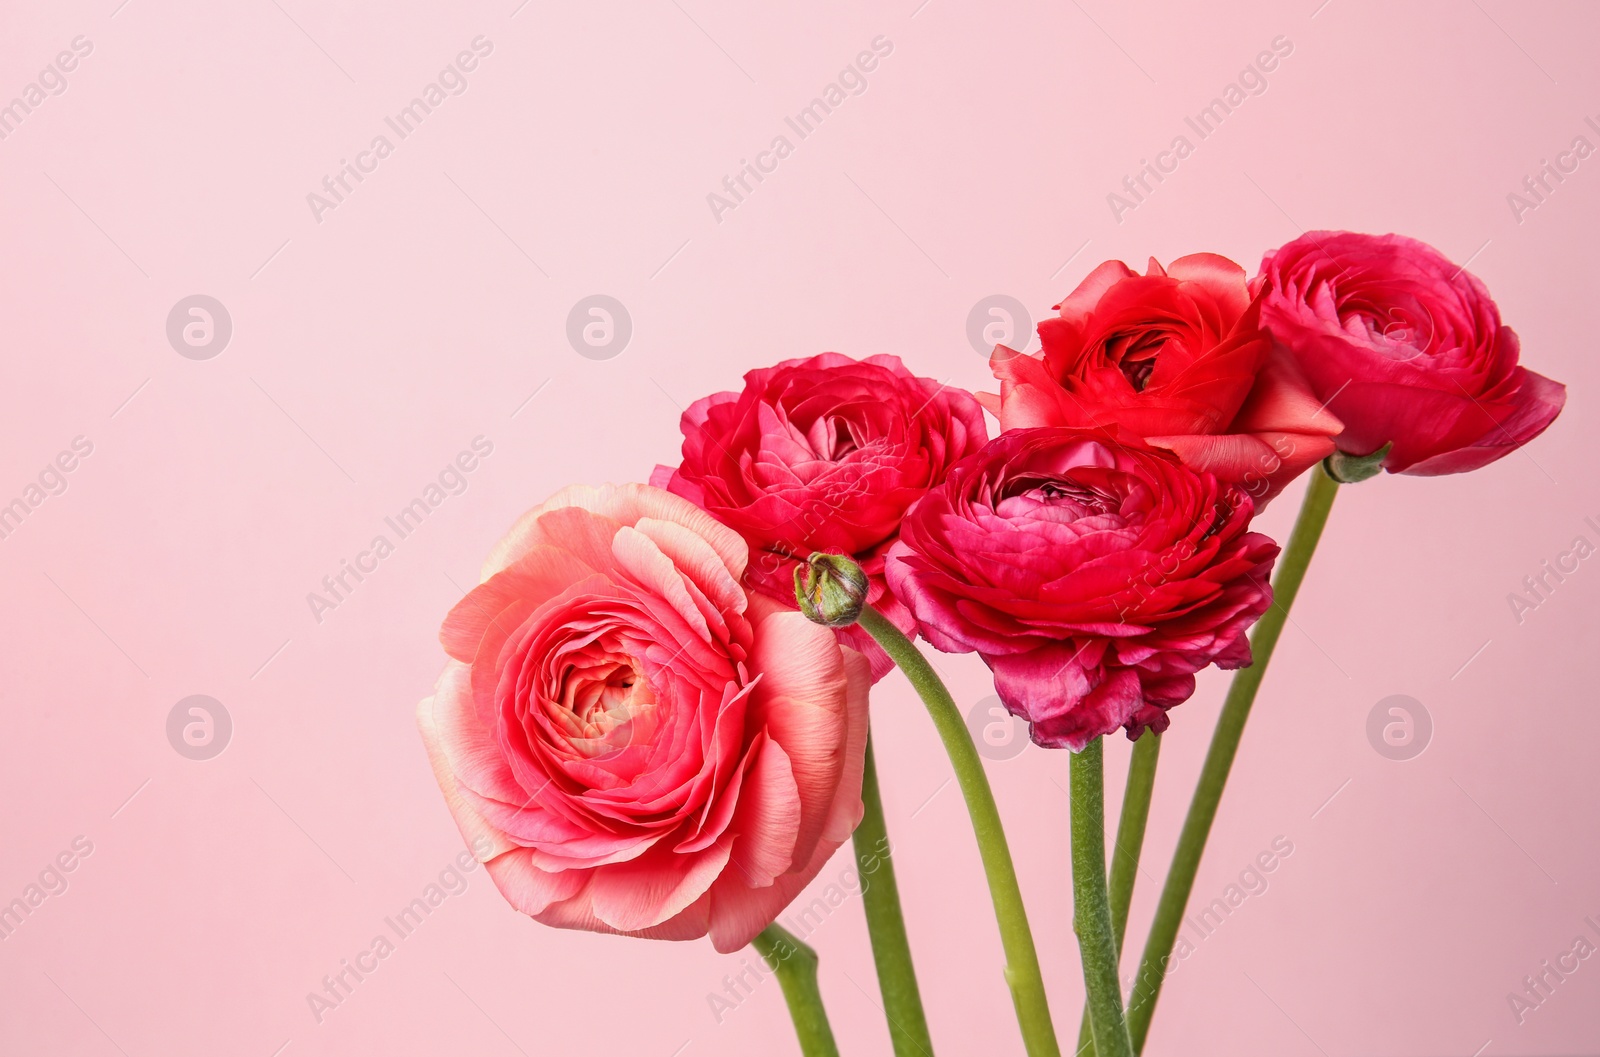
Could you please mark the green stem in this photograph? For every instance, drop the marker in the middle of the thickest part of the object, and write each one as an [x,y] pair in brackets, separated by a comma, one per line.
[1091,918]
[1130,828]
[1314,510]
[891,951]
[1125,852]
[796,966]
[1022,960]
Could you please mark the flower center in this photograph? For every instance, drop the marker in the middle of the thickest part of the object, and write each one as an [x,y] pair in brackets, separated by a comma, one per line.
[838,440]
[1398,331]
[1135,355]
[602,705]
[1137,371]
[1081,499]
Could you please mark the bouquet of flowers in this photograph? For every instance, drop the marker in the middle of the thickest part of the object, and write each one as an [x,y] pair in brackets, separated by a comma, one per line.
[654,718]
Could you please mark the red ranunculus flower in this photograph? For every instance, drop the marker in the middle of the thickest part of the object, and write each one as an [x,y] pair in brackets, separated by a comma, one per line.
[1405,347]
[823,454]
[1176,356]
[1094,575]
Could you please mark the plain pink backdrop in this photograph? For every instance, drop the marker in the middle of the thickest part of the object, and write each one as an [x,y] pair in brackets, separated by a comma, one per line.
[371,346]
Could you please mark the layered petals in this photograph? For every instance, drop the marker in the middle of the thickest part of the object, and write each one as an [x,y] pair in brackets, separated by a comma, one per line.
[1406,348]
[824,453]
[1093,573]
[1176,356]
[626,741]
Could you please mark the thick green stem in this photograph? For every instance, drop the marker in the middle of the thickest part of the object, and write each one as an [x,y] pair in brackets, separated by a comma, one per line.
[1091,904]
[1125,852]
[1296,557]
[796,967]
[1022,959]
[891,951]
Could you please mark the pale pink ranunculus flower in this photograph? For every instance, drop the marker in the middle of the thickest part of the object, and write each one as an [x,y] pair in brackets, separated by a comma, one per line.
[636,743]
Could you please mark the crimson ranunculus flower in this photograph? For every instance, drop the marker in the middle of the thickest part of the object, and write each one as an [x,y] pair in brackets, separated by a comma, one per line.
[630,741]
[1094,575]
[1175,356]
[823,454]
[1406,348]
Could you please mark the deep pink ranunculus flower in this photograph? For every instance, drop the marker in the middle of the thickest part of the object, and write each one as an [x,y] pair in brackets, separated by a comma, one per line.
[1094,575]
[823,454]
[1175,356]
[1405,347]
[631,742]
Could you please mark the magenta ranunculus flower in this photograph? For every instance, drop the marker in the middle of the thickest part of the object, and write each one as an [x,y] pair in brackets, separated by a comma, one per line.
[1094,574]
[630,741]
[1406,348]
[823,454]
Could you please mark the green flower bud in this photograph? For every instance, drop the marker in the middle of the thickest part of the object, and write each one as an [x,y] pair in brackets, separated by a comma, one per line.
[831,589]
[1348,469]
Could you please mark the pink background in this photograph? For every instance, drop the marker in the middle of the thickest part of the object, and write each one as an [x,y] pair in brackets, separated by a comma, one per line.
[372,346]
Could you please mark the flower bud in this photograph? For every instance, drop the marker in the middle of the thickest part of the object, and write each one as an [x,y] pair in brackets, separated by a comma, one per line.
[1348,469]
[830,589]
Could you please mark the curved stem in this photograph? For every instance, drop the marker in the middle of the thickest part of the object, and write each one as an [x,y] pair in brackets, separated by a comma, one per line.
[1313,516]
[1091,904]
[796,967]
[891,951]
[1125,852]
[1022,959]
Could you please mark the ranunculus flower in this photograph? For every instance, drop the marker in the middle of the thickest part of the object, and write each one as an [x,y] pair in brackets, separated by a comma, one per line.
[1405,347]
[633,743]
[1175,356]
[823,454]
[1094,575]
